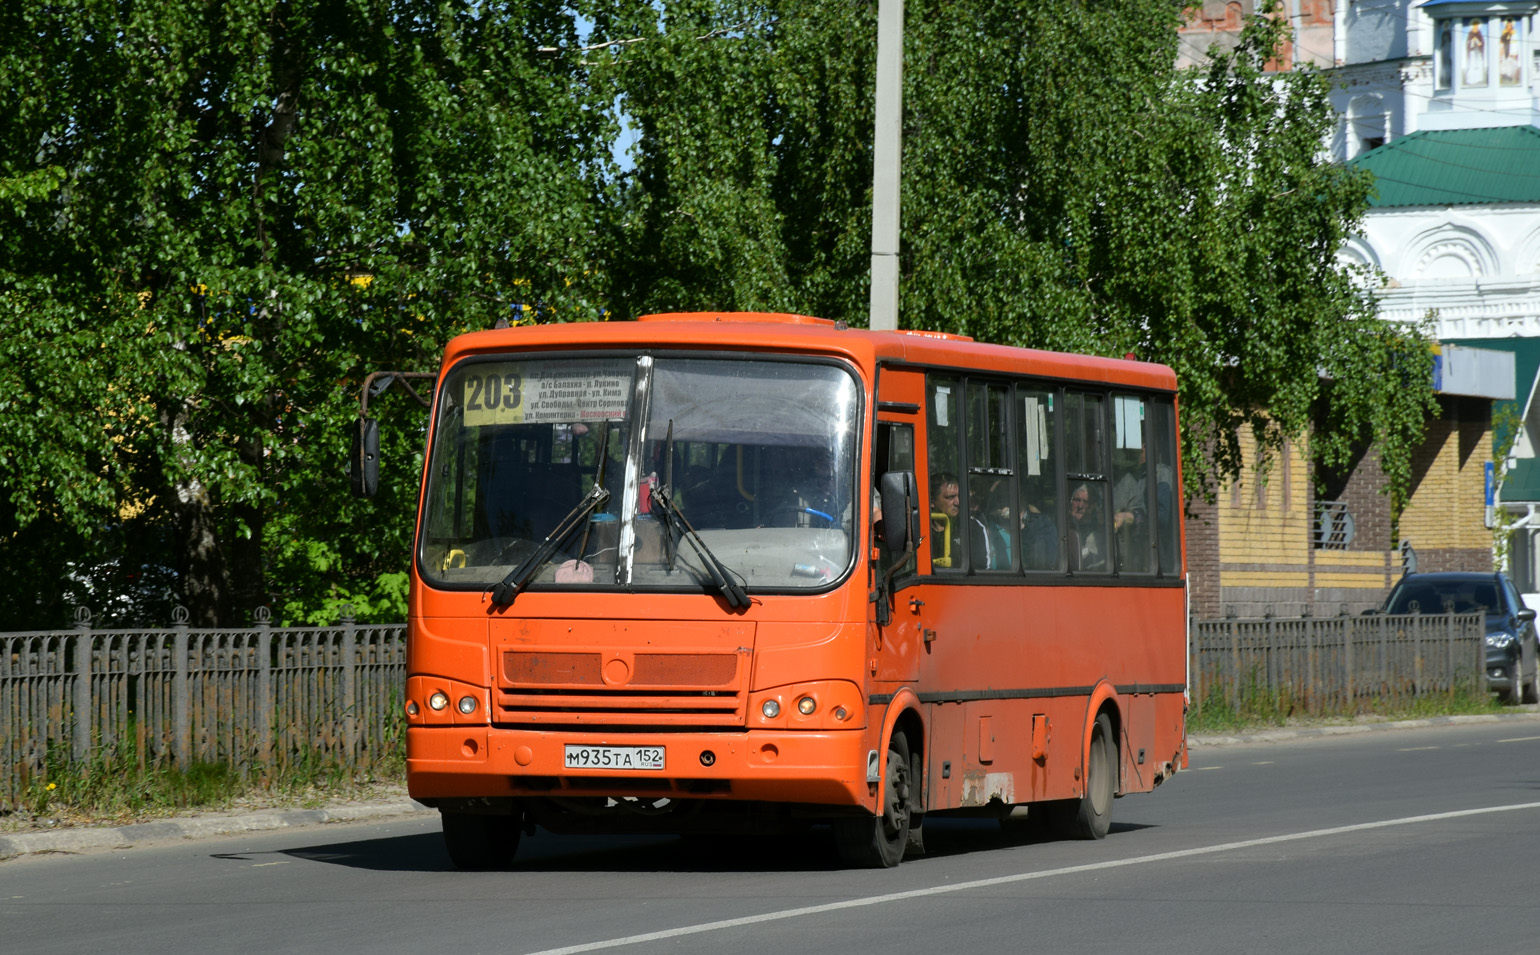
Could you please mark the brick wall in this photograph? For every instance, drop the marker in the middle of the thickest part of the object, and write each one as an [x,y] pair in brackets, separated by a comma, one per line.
[1364,494]
[1446,510]
[1253,551]
[1202,527]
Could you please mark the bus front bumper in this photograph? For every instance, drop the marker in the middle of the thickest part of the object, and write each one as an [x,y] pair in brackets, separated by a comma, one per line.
[824,767]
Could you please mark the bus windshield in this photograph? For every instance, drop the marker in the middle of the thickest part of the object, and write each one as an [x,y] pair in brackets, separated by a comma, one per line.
[757,457]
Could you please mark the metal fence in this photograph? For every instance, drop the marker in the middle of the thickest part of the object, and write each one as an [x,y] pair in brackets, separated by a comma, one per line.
[1319,665]
[258,699]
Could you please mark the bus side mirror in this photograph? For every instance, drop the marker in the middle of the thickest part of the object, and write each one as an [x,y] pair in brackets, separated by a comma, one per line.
[365,466]
[900,492]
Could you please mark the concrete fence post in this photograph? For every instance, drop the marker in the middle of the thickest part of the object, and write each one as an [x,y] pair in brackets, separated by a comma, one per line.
[349,682]
[1481,659]
[181,729]
[1233,691]
[1348,683]
[85,717]
[1449,628]
[262,617]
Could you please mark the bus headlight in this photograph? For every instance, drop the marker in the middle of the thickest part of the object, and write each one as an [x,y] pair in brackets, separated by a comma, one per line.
[814,705]
[467,705]
[438,700]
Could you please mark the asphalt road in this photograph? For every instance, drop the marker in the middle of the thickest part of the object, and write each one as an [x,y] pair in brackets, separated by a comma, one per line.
[1410,841]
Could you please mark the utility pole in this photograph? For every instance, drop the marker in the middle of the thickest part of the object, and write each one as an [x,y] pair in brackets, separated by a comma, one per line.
[887,148]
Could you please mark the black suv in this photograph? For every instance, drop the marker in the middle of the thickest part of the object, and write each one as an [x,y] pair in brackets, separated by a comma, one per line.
[1511,650]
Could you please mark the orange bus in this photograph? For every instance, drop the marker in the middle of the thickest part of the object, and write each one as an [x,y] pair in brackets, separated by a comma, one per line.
[728,572]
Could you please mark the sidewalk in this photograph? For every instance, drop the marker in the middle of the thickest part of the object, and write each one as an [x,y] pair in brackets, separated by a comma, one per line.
[203,825]
[1529,714]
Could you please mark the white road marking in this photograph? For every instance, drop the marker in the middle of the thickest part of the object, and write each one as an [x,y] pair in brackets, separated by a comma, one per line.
[1519,739]
[1204,769]
[258,865]
[1265,762]
[1020,877]
[1416,749]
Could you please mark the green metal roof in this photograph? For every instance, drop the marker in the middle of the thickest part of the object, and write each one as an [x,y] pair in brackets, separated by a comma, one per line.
[1451,167]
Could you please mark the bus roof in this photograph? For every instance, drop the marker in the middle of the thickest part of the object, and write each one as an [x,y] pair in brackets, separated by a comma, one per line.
[779,332]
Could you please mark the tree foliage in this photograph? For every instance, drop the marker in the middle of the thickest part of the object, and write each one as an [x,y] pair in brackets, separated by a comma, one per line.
[260,202]
[217,217]
[1064,187]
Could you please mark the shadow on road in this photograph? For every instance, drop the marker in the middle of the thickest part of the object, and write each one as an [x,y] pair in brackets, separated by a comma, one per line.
[812,851]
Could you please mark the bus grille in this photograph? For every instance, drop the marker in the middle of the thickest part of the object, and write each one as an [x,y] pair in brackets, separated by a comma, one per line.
[641,689]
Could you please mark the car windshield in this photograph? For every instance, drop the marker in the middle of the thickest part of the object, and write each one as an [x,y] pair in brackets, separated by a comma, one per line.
[1432,596]
[757,456]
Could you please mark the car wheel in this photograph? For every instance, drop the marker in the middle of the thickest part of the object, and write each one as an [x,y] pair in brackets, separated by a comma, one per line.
[1531,692]
[1515,691]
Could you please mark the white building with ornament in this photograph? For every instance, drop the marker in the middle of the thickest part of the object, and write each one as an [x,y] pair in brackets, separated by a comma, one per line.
[1438,99]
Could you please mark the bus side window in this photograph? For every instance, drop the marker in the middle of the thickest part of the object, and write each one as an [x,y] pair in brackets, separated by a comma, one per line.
[1038,468]
[943,488]
[991,528]
[1086,470]
[1131,522]
[1168,505]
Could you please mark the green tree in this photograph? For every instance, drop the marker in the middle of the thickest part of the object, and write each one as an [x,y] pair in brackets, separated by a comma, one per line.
[220,217]
[217,217]
[1064,187]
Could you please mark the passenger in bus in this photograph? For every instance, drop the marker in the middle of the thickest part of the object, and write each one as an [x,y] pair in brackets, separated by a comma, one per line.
[945,528]
[1039,526]
[990,533]
[1130,514]
[1086,551]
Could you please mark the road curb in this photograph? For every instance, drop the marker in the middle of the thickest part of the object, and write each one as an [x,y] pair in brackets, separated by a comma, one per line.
[1353,729]
[123,837]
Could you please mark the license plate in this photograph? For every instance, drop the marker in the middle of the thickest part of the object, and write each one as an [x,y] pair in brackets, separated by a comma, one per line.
[614,757]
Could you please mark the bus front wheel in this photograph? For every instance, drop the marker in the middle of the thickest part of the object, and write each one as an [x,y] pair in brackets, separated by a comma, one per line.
[477,841]
[878,842]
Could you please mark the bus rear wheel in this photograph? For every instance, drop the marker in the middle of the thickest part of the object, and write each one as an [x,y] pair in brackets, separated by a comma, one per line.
[1090,816]
[878,842]
[477,841]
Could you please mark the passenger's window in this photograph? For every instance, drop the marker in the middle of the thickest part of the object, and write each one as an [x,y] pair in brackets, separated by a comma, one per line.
[1037,468]
[1132,535]
[1167,499]
[1087,534]
[943,487]
[991,528]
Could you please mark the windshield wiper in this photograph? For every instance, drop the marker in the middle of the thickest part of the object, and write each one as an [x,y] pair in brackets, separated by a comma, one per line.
[510,587]
[720,575]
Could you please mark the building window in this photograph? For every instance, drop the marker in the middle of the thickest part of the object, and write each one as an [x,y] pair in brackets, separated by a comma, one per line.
[1473,65]
[1510,65]
[1443,63]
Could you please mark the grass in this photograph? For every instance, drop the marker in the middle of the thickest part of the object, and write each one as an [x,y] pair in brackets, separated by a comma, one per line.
[1259,708]
[116,786]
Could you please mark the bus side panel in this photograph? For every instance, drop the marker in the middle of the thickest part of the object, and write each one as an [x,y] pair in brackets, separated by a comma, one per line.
[1009,673]
[1138,743]
[944,759]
